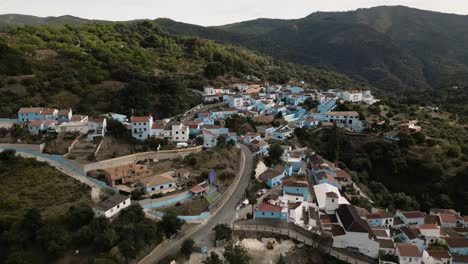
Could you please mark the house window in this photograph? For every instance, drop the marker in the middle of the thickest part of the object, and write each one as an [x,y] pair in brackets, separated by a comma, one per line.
[124,202]
[177,132]
[161,187]
[272,214]
[170,185]
[263,213]
[118,206]
[333,200]
[153,189]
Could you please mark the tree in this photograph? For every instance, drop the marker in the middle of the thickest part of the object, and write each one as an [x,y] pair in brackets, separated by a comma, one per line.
[8,156]
[54,239]
[116,128]
[131,215]
[222,231]
[187,246]
[213,258]
[79,216]
[252,197]
[136,194]
[32,222]
[171,224]
[310,103]
[236,254]
[274,154]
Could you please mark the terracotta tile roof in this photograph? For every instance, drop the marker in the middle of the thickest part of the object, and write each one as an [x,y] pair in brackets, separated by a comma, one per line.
[380,232]
[439,254]
[351,220]
[270,174]
[48,111]
[432,219]
[450,218]
[386,243]
[266,207]
[337,230]
[373,216]
[140,118]
[295,182]
[408,250]
[30,110]
[457,242]
[397,221]
[410,232]
[36,123]
[198,189]
[78,117]
[97,120]
[413,214]
[64,112]
[460,258]
[343,174]
[49,122]
[158,179]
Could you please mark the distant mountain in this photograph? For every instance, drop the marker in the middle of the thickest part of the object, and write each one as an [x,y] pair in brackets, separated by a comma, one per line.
[396,48]
[15,19]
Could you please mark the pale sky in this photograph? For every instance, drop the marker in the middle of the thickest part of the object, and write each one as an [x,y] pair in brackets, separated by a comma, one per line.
[209,12]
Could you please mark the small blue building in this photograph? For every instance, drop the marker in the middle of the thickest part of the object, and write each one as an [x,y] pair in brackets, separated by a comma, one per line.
[272,177]
[296,186]
[266,210]
[457,246]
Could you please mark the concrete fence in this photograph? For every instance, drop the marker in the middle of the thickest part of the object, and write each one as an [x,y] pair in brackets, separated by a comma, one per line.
[33,147]
[130,159]
[201,216]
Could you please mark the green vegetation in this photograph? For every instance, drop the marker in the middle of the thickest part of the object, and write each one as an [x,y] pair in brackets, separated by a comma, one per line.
[222,232]
[236,254]
[400,176]
[101,67]
[27,183]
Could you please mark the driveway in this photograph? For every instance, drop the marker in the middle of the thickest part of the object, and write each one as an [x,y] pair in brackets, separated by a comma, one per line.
[202,234]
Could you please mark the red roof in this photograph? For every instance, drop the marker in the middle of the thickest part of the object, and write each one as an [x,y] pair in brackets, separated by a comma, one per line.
[198,189]
[457,242]
[439,254]
[295,182]
[408,250]
[448,218]
[36,123]
[30,110]
[413,214]
[428,226]
[97,120]
[140,118]
[373,216]
[48,111]
[266,207]
[270,174]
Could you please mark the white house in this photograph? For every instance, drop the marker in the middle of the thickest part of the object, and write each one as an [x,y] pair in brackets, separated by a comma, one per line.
[73,127]
[180,132]
[112,206]
[354,233]
[431,232]
[411,217]
[436,257]
[141,126]
[352,96]
[345,119]
[408,254]
[322,194]
[64,115]
[387,246]
[209,90]
[96,127]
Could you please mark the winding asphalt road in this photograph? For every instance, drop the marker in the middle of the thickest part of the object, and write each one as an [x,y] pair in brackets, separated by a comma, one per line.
[202,233]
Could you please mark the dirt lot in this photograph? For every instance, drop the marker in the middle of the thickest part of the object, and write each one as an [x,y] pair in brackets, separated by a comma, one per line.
[112,148]
[194,206]
[83,152]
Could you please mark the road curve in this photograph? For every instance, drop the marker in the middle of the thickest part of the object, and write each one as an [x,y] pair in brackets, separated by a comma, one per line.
[202,233]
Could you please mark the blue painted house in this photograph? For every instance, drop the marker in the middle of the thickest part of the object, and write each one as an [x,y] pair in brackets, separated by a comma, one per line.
[272,177]
[266,210]
[296,186]
[457,245]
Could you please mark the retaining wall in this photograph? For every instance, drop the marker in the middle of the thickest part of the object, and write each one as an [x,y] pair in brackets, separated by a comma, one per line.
[159,155]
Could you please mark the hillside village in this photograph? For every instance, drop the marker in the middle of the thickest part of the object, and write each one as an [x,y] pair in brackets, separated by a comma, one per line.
[302,188]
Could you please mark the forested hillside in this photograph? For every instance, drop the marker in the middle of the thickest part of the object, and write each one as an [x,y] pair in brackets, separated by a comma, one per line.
[400,49]
[99,67]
